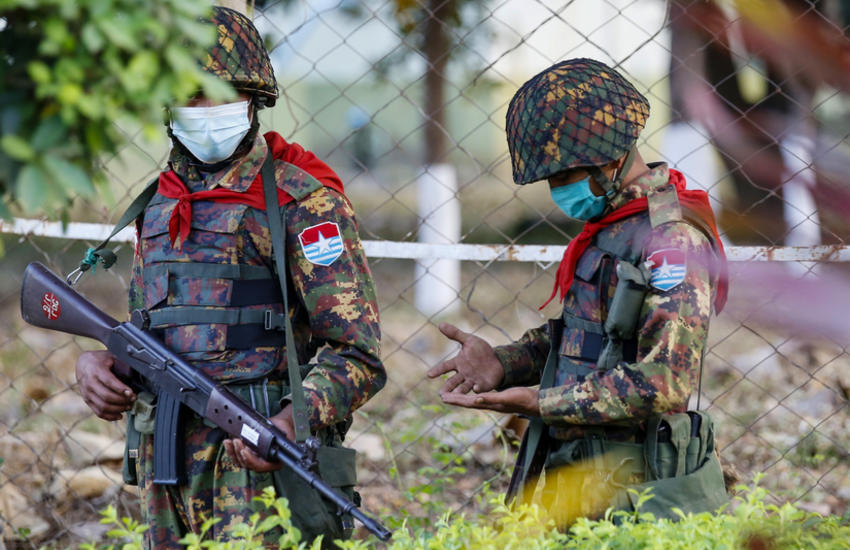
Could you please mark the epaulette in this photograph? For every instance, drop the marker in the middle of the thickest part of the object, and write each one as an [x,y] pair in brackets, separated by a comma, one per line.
[664,206]
[295,181]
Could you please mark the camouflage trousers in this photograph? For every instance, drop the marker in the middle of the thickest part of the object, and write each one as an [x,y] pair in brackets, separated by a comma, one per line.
[217,488]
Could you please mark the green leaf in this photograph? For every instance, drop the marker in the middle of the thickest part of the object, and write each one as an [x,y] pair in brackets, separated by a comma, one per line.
[90,105]
[69,93]
[39,72]
[68,176]
[141,70]
[119,32]
[180,61]
[31,187]
[92,37]
[17,148]
[216,88]
[57,37]
[50,132]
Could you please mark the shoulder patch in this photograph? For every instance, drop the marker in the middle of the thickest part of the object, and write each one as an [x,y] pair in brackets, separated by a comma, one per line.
[321,243]
[667,268]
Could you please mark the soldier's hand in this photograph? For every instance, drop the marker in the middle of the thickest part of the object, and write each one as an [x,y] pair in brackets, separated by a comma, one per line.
[102,391]
[517,400]
[246,458]
[475,366]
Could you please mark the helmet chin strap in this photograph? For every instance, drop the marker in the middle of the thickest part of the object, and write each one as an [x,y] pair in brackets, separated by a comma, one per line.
[608,185]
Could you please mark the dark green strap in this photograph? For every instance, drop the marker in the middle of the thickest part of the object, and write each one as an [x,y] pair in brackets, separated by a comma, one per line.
[277,223]
[193,315]
[536,427]
[107,257]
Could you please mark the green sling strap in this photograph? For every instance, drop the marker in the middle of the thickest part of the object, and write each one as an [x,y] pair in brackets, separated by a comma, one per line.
[533,449]
[108,257]
[277,223]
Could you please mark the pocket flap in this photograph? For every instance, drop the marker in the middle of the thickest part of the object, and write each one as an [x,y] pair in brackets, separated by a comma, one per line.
[704,490]
[338,466]
[156,218]
[589,262]
[156,287]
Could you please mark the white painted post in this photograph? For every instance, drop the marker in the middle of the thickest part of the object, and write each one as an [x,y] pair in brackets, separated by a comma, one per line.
[799,209]
[688,149]
[437,281]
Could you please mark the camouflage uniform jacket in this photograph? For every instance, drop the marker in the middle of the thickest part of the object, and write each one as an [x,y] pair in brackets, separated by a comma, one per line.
[670,337]
[333,307]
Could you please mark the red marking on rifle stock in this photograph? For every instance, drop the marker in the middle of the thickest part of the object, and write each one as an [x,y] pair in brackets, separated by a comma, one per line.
[50,306]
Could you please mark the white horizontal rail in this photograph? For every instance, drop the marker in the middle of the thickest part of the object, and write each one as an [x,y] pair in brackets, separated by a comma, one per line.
[96,232]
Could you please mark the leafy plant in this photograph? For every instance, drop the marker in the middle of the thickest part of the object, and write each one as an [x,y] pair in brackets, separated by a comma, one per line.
[74,73]
[749,523]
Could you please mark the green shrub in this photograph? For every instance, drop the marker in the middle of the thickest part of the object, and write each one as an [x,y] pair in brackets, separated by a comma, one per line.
[71,71]
[749,522]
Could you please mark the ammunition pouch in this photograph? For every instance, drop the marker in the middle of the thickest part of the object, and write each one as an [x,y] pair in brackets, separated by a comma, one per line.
[623,314]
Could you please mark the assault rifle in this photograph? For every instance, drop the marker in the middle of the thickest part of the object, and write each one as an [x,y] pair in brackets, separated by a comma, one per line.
[145,363]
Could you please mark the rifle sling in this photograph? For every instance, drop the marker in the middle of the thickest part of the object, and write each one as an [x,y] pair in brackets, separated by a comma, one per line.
[277,224]
[532,454]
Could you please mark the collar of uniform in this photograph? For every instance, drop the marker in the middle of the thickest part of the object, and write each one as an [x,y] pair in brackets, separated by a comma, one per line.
[236,176]
[657,176]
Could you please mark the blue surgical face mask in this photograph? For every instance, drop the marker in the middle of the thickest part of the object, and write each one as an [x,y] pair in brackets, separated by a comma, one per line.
[211,133]
[578,201]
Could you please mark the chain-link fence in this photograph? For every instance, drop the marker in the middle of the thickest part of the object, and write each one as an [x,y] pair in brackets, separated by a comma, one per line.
[406,100]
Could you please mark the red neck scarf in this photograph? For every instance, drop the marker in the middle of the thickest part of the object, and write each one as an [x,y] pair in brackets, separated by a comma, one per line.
[693,199]
[171,186]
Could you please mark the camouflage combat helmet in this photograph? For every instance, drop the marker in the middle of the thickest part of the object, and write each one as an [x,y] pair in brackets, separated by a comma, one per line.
[576,113]
[239,56]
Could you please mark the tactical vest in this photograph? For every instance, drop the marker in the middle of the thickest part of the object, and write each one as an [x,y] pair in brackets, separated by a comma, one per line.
[215,300]
[601,312]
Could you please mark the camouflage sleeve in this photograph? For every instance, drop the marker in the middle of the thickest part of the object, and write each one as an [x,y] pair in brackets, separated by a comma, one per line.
[672,334]
[342,308]
[524,359]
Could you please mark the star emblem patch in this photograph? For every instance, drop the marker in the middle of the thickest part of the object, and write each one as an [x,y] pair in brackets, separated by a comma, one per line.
[322,243]
[667,268]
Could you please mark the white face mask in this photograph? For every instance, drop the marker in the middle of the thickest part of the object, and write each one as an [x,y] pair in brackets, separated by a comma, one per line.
[211,133]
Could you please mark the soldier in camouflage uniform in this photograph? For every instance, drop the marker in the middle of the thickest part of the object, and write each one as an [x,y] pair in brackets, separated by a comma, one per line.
[638,286]
[206,274]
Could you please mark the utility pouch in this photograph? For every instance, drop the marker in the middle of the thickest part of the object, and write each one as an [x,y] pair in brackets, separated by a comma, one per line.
[621,323]
[144,413]
[311,513]
[140,420]
[683,468]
